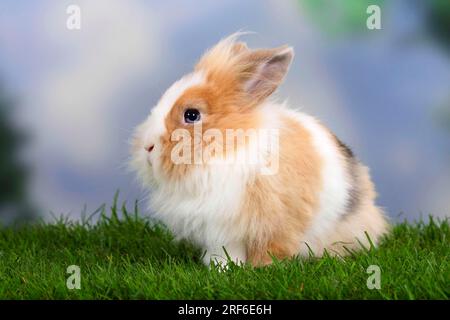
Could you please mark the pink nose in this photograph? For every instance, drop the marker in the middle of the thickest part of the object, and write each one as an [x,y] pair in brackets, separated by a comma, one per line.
[150,148]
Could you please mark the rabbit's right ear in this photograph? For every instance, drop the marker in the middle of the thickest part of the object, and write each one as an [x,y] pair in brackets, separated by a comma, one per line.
[264,71]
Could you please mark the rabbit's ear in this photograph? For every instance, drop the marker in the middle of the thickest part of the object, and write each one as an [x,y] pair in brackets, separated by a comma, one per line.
[264,71]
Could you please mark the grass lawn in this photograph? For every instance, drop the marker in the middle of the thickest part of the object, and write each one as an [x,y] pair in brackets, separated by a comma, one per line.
[123,256]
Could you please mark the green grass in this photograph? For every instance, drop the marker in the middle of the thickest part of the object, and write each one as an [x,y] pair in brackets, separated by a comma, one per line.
[128,257]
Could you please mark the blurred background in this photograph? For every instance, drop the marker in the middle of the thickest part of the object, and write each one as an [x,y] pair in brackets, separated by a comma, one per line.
[69,99]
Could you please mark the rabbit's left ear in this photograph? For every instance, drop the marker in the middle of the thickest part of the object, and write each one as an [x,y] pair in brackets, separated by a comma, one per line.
[265,70]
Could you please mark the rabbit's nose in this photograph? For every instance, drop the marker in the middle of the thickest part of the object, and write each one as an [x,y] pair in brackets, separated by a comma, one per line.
[149,148]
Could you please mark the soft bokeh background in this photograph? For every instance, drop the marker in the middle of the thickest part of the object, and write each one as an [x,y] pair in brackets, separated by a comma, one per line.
[69,99]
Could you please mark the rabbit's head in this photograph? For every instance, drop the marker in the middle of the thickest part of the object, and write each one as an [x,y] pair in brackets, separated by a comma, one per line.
[224,94]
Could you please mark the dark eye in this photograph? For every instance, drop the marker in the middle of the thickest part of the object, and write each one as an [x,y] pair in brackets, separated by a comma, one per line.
[191,115]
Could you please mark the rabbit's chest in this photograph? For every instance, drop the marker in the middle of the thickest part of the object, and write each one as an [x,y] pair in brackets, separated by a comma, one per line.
[207,214]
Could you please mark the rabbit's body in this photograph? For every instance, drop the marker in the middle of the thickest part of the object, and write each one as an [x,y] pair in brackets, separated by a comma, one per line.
[320,196]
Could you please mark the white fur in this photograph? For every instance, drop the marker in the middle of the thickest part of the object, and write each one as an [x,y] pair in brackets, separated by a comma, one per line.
[156,125]
[335,185]
[149,132]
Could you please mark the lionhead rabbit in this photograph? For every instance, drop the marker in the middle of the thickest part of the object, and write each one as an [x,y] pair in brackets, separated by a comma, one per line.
[282,185]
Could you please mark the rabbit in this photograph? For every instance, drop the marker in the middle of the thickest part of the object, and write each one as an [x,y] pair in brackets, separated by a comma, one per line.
[317,198]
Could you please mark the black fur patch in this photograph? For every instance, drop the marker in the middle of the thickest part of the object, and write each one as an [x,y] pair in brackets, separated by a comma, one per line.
[352,164]
[345,149]
[354,193]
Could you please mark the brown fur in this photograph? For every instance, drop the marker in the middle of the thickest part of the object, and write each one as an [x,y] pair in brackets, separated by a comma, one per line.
[279,208]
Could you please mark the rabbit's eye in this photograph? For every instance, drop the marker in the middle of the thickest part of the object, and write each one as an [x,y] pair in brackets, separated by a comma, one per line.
[191,115]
